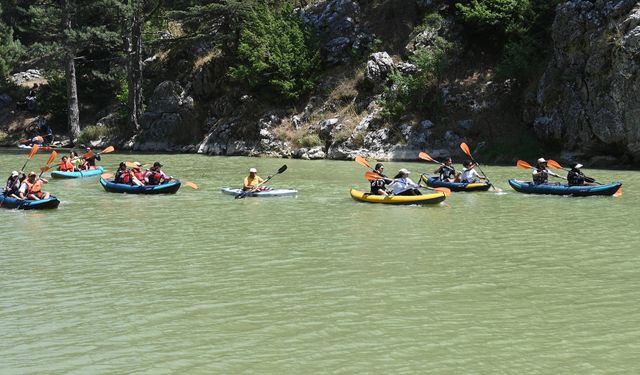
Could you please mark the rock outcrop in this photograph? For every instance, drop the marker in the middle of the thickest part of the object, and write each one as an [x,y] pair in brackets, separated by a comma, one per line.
[589,97]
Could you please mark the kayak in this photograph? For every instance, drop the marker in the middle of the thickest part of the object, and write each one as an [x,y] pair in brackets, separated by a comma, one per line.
[363,196]
[262,194]
[41,148]
[27,204]
[456,186]
[88,173]
[528,187]
[168,188]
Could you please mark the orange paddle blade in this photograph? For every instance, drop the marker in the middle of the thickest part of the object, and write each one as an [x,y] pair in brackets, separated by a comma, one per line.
[523,164]
[372,176]
[362,161]
[88,154]
[618,193]
[52,157]
[191,185]
[45,168]
[107,176]
[131,165]
[34,150]
[108,150]
[444,190]
[465,149]
[425,156]
[554,164]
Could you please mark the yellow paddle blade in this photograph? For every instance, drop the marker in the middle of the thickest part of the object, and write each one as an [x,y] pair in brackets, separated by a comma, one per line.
[107,176]
[425,156]
[554,164]
[191,185]
[362,161]
[108,150]
[523,164]
[465,149]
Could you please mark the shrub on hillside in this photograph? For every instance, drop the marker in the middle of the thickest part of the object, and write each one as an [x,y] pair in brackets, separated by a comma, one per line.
[277,53]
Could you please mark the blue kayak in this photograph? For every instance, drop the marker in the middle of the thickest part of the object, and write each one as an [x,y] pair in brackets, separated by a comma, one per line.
[168,188]
[435,182]
[553,189]
[88,173]
[27,204]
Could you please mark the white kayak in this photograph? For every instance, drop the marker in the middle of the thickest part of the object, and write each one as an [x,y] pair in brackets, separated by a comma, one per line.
[264,193]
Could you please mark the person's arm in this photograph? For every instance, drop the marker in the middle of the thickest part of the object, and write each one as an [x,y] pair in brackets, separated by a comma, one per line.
[438,170]
[245,184]
[553,173]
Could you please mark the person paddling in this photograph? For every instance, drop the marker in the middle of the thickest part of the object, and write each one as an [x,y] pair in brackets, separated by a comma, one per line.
[137,175]
[122,175]
[90,162]
[252,181]
[378,186]
[155,175]
[403,185]
[575,177]
[34,184]
[447,171]
[541,173]
[65,165]
[75,160]
[469,174]
[13,184]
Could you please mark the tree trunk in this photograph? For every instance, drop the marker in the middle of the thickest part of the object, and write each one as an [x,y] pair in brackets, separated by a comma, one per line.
[70,75]
[134,67]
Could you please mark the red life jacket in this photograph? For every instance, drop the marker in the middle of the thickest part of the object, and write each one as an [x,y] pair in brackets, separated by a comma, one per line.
[154,178]
[139,175]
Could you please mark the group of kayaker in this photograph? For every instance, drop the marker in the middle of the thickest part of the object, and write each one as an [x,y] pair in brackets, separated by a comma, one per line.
[139,177]
[575,177]
[20,185]
[447,172]
[75,163]
[401,184]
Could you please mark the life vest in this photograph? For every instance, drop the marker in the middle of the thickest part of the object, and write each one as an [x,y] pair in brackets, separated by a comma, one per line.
[154,177]
[65,166]
[447,172]
[575,178]
[122,177]
[542,177]
[139,175]
[34,188]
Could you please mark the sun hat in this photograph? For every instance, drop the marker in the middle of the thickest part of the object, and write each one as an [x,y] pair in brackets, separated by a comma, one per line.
[577,166]
[541,160]
[32,173]
[15,174]
[404,171]
[253,170]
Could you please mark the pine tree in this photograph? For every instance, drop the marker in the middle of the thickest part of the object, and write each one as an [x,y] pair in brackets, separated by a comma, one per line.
[10,49]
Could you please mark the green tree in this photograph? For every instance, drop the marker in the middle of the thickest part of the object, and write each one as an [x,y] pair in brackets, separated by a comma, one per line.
[277,53]
[10,49]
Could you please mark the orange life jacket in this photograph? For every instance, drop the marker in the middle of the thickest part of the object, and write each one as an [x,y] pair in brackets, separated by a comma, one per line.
[65,166]
[139,175]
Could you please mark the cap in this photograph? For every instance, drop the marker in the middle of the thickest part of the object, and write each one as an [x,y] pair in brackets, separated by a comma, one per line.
[15,174]
[577,166]
[32,173]
[157,164]
[137,164]
[541,160]
[404,171]
[253,170]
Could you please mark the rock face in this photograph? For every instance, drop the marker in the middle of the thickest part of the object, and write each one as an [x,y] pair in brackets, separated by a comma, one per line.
[170,115]
[338,23]
[589,97]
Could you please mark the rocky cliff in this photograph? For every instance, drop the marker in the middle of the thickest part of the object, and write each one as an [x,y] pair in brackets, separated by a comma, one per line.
[588,100]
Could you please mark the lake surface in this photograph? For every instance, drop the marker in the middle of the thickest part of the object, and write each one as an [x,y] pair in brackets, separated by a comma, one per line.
[200,283]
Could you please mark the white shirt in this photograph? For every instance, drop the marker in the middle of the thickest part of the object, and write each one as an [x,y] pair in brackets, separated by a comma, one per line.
[401,184]
[469,175]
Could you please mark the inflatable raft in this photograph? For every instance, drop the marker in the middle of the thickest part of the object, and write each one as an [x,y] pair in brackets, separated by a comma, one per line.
[435,182]
[168,188]
[27,204]
[553,189]
[88,173]
[363,196]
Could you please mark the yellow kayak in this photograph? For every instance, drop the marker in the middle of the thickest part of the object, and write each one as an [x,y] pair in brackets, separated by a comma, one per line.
[364,196]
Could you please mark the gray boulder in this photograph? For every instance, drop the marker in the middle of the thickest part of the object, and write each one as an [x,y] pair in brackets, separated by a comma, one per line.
[379,66]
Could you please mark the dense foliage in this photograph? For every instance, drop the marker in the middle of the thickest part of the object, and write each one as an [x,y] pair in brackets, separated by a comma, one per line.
[10,49]
[277,53]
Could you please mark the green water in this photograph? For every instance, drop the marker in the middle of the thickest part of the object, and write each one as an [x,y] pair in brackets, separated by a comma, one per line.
[200,283]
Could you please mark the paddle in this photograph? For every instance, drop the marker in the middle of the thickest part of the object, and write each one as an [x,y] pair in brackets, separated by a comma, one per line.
[427,157]
[524,165]
[90,153]
[555,165]
[52,157]
[192,185]
[372,176]
[467,151]
[107,176]
[34,150]
[245,192]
